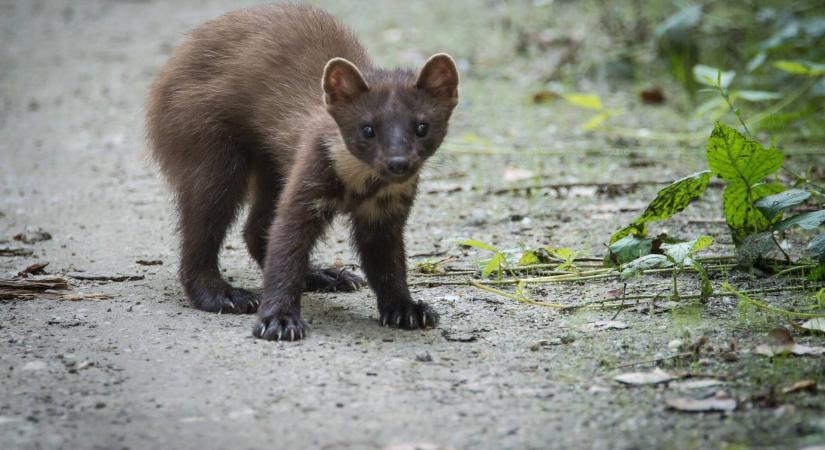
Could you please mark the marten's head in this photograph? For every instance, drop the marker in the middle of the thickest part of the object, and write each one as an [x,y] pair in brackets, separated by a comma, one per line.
[392,120]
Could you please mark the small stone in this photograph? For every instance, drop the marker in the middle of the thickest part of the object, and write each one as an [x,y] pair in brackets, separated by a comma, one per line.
[34,366]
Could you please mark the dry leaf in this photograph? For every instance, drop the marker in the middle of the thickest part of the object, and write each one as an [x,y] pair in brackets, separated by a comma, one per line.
[517,174]
[801,385]
[703,405]
[782,342]
[794,349]
[697,384]
[544,96]
[34,269]
[652,96]
[601,325]
[816,326]
[642,378]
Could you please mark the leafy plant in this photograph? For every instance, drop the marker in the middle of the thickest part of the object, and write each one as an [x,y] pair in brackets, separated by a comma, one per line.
[546,255]
[676,255]
[669,201]
[744,164]
[495,264]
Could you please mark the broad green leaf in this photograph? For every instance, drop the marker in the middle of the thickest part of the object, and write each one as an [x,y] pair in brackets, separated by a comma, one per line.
[711,76]
[801,68]
[478,244]
[646,262]
[494,265]
[670,200]
[630,230]
[773,205]
[808,220]
[816,247]
[675,197]
[588,101]
[627,249]
[681,251]
[741,215]
[737,158]
[757,96]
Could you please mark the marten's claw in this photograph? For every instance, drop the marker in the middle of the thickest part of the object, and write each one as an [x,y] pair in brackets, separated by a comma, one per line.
[280,327]
[410,316]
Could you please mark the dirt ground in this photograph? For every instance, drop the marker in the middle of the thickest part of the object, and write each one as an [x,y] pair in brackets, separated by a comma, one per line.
[144,370]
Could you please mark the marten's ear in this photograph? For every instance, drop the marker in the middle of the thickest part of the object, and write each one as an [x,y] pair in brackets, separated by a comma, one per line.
[342,82]
[439,77]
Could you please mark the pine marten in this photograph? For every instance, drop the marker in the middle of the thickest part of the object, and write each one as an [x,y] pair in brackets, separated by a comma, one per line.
[281,104]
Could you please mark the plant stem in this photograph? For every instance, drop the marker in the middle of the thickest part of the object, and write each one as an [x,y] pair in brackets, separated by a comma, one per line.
[518,298]
[788,313]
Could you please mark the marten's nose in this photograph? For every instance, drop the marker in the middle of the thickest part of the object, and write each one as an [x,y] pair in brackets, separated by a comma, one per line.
[398,165]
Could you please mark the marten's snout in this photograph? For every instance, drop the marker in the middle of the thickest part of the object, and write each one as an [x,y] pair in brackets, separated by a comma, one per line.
[398,165]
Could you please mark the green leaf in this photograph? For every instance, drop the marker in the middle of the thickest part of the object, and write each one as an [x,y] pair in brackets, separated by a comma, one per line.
[627,249]
[596,121]
[736,158]
[801,68]
[564,253]
[630,230]
[711,76]
[494,265]
[681,251]
[741,215]
[757,96]
[757,61]
[587,101]
[646,262]
[529,258]
[773,205]
[816,247]
[818,274]
[808,220]
[670,200]
[478,244]
[680,22]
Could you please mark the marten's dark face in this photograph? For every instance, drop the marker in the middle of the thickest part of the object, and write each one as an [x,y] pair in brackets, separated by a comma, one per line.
[397,121]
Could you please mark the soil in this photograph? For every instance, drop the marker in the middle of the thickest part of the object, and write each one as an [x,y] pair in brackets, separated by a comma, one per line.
[142,369]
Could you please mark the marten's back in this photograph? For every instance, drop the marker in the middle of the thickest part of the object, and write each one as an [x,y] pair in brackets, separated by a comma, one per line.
[248,74]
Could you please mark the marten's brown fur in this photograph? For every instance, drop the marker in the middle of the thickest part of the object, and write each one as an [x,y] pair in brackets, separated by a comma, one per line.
[281,104]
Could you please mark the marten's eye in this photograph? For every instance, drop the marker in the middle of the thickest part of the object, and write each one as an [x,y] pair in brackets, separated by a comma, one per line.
[421,129]
[367,131]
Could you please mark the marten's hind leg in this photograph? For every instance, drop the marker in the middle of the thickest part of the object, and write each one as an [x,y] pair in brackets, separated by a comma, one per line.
[332,279]
[266,187]
[210,193]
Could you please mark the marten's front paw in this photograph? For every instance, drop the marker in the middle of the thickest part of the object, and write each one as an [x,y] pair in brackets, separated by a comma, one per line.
[281,326]
[333,280]
[409,315]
